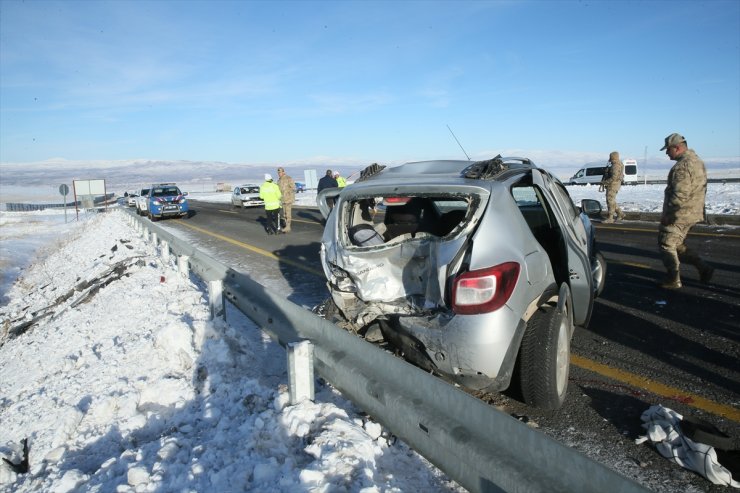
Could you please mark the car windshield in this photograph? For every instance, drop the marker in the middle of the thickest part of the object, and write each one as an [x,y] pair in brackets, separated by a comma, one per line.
[165,192]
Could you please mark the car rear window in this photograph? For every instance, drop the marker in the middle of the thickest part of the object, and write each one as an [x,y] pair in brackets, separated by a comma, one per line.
[378,220]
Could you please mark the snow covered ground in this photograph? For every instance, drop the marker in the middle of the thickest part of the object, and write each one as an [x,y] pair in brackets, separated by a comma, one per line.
[125,385]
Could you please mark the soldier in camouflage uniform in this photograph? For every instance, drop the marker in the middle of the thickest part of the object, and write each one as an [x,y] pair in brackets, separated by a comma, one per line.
[287,191]
[611,182]
[683,206]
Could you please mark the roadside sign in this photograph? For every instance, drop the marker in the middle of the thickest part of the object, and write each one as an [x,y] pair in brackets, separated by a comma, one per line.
[64,190]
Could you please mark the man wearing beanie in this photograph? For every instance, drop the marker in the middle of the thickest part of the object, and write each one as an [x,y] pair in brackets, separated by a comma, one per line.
[270,193]
[683,206]
[611,182]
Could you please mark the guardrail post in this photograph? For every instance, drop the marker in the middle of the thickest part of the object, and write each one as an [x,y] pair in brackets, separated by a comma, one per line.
[155,239]
[165,251]
[183,265]
[216,300]
[300,371]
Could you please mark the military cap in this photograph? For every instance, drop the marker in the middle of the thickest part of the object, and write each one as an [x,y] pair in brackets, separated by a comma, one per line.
[673,140]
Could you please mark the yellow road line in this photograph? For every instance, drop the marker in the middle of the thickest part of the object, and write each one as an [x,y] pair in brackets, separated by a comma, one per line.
[255,249]
[631,264]
[660,389]
[316,223]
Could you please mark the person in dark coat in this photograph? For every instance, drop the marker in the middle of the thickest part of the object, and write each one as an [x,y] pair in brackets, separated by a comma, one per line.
[327,181]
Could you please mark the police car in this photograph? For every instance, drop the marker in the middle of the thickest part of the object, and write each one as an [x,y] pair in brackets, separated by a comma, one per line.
[166,200]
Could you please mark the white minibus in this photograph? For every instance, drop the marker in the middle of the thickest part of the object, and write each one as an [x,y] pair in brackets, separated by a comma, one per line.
[594,172]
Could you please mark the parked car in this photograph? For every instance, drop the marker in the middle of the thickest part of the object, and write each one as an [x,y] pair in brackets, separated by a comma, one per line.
[247,195]
[142,202]
[166,200]
[300,187]
[467,269]
[131,199]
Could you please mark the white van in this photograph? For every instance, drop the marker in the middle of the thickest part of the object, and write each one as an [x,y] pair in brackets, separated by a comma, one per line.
[590,173]
[594,172]
[630,172]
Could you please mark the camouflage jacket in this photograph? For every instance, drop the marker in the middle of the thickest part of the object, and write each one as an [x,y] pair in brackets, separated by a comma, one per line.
[614,176]
[287,189]
[683,202]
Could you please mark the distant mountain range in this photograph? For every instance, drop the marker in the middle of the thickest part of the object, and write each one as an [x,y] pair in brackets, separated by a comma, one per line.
[123,176]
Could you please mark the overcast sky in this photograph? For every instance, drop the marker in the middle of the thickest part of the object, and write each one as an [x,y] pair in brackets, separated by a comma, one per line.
[306,82]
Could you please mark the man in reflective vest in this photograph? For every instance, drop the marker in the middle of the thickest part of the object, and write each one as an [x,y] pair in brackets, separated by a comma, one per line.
[341,182]
[270,193]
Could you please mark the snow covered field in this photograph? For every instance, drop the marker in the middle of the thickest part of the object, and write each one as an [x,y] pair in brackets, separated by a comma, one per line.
[722,198]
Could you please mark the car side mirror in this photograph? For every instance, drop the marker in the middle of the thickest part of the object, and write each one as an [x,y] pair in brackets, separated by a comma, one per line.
[184,193]
[591,207]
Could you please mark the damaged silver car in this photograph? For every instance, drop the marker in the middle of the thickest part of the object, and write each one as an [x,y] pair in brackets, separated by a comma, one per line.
[476,271]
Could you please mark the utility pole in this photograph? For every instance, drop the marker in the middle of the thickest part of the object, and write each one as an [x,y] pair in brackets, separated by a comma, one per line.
[644,165]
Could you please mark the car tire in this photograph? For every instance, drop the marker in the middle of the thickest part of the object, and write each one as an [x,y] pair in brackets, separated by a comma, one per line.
[544,358]
[599,270]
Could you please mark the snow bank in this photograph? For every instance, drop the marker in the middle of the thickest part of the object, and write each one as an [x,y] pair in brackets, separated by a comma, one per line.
[126,385]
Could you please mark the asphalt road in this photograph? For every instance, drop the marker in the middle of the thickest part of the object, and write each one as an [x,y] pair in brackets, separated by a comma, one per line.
[644,345]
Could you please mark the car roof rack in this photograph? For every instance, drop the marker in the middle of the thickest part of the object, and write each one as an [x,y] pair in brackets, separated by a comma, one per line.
[491,168]
[370,171]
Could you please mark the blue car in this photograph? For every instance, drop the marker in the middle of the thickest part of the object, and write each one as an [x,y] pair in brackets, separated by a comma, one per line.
[166,200]
[300,187]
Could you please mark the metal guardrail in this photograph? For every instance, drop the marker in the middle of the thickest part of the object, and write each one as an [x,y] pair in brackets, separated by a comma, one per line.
[481,448]
[26,207]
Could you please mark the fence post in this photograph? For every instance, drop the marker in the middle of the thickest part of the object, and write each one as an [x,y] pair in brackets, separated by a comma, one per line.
[183,265]
[165,251]
[300,371]
[216,300]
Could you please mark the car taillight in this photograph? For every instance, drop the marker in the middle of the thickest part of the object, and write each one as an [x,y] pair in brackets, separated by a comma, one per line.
[484,290]
[396,200]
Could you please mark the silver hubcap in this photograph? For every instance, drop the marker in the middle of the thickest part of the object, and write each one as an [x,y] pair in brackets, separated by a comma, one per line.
[563,355]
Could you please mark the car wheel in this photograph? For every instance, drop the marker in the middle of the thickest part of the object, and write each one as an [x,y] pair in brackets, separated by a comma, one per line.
[599,272]
[152,218]
[544,358]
